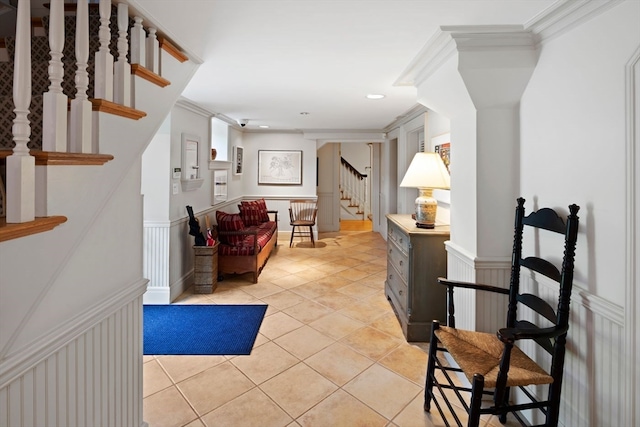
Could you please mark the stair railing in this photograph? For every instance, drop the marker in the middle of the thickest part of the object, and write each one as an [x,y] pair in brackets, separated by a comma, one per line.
[353,186]
[112,81]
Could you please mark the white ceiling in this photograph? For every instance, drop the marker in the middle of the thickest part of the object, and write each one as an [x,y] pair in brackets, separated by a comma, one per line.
[270,60]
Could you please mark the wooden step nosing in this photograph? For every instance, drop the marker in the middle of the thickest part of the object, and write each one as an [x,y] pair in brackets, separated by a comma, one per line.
[39,225]
[147,74]
[119,110]
[53,158]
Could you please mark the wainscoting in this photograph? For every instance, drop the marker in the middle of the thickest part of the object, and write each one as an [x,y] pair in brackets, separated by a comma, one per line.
[590,396]
[156,238]
[99,367]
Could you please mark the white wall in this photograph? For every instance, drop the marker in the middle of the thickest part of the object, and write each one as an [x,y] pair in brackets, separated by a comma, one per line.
[358,155]
[573,140]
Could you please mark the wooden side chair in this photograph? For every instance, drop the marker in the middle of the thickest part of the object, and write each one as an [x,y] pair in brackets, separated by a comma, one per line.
[302,215]
[492,363]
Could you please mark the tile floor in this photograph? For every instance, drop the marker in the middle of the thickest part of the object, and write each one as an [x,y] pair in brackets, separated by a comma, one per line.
[330,351]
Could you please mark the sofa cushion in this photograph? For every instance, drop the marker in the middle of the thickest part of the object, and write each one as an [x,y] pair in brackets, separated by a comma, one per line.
[243,249]
[230,222]
[254,212]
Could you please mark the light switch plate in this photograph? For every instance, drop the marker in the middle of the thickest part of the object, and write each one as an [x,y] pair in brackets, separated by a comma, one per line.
[176,188]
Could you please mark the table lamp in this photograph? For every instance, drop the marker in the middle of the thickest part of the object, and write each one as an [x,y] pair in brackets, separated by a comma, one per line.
[426,172]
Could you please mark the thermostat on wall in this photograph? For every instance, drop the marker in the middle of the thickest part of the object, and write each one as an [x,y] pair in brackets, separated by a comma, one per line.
[177,173]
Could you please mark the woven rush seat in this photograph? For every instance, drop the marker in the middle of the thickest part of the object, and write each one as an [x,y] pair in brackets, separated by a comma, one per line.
[480,353]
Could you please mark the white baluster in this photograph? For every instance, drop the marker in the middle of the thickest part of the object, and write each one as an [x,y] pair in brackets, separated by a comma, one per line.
[80,133]
[103,87]
[138,43]
[122,83]
[153,52]
[54,120]
[21,165]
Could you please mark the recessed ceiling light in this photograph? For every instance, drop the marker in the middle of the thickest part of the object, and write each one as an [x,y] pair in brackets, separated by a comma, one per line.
[375,96]
[264,126]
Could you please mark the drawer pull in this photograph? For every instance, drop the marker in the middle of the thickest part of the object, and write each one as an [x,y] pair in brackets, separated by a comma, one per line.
[390,250]
[391,276]
[401,240]
[401,262]
[400,291]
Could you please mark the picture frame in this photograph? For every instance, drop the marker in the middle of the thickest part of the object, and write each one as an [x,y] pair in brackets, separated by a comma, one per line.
[238,160]
[279,167]
[442,145]
[220,178]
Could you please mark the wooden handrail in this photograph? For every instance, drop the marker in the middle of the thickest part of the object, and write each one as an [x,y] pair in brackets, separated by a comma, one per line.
[352,169]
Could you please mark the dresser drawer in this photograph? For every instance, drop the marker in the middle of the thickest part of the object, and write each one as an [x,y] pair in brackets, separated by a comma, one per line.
[399,259]
[398,287]
[396,235]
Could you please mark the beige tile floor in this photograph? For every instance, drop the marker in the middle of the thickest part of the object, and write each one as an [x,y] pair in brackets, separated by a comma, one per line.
[330,351]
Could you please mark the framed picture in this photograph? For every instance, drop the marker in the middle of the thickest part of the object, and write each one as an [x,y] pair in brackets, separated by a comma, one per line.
[219,186]
[279,167]
[238,160]
[442,146]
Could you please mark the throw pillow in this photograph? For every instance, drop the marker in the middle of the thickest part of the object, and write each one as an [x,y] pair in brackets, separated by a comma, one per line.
[254,212]
[230,222]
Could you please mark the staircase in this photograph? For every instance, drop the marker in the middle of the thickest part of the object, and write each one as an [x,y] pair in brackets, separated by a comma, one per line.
[354,200]
[83,104]
[74,99]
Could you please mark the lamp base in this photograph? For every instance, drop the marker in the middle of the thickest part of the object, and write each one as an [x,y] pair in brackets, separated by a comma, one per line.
[426,207]
[425,225]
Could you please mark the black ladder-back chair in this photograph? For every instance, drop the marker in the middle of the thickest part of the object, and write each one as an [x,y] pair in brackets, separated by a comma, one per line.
[492,363]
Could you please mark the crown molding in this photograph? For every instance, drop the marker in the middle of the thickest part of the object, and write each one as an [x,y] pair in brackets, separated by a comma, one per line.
[450,39]
[412,113]
[188,104]
[564,15]
[338,135]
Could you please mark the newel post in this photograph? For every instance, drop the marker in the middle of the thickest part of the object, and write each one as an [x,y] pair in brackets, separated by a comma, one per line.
[21,167]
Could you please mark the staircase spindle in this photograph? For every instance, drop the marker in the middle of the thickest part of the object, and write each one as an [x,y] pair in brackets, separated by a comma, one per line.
[54,112]
[21,166]
[138,43]
[153,52]
[80,137]
[103,86]
[122,84]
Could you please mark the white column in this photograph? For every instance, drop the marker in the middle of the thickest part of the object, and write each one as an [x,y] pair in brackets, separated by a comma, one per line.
[138,43]
[153,52]
[103,87]
[20,164]
[54,120]
[80,132]
[122,83]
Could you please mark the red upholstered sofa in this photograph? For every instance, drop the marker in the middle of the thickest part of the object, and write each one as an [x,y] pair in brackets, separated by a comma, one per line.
[246,238]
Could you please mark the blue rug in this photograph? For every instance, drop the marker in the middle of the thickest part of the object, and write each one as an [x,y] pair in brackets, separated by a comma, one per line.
[201,329]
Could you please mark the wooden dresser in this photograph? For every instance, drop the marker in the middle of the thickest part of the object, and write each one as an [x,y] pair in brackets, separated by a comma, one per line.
[416,257]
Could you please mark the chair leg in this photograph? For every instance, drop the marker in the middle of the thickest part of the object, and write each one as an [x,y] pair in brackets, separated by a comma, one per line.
[476,400]
[313,242]
[293,231]
[505,402]
[431,366]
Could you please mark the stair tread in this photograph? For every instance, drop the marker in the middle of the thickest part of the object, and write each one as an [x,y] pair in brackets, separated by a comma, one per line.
[39,225]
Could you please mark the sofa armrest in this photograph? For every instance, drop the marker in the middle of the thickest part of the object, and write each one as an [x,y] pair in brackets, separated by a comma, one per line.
[276,216]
